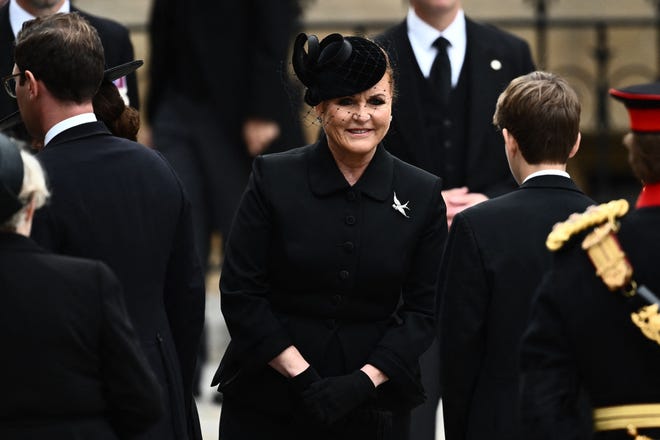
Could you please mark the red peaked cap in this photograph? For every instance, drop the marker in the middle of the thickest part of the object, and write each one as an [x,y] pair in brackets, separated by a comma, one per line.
[643,104]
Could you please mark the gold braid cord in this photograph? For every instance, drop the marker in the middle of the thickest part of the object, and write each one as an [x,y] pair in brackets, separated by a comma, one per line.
[632,432]
[594,215]
[648,321]
[605,252]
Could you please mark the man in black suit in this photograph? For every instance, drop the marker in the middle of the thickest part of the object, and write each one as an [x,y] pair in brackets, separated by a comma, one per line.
[495,257]
[114,37]
[72,364]
[114,200]
[451,136]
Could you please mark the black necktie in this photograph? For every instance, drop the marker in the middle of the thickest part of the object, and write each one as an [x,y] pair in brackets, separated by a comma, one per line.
[440,77]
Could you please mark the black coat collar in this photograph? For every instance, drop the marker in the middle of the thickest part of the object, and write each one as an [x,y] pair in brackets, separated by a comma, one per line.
[550,181]
[325,177]
[79,131]
[17,242]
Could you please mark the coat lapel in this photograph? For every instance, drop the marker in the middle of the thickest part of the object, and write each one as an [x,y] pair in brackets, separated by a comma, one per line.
[480,83]
[407,112]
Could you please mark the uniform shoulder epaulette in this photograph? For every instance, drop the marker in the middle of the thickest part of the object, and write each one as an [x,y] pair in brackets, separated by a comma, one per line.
[593,216]
[609,259]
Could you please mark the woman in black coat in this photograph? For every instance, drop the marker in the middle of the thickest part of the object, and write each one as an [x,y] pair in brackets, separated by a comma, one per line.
[328,284]
[72,366]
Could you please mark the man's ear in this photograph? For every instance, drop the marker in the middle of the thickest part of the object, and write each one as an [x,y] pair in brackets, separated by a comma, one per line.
[32,84]
[510,143]
[576,147]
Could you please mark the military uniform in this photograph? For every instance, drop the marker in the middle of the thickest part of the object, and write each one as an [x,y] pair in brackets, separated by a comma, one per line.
[581,335]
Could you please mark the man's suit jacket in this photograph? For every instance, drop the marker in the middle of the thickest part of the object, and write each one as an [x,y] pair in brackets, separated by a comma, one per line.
[486,168]
[119,202]
[114,37]
[71,365]
[494,259]
[580,336]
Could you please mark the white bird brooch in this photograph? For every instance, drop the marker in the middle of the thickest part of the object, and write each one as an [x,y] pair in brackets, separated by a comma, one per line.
[401,208]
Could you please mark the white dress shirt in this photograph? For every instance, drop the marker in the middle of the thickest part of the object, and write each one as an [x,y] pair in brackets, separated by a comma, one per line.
[71,122]
[547,173]
[422,35]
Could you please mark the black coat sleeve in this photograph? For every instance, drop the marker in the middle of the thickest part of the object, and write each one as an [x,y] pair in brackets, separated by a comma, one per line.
[462,311]
[550,388]
[131,389]
[257,334]
[185,296]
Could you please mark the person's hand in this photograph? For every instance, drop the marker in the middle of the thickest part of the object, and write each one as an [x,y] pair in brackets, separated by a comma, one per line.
[330,399]
[258,135]
[458,199]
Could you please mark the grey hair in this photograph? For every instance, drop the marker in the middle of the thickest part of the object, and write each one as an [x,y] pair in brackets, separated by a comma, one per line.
[34,189]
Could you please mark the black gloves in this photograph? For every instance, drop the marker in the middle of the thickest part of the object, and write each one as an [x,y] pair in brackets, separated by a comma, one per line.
[303,380]
[330,399]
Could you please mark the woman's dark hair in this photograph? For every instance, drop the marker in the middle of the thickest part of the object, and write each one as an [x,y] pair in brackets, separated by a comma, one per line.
[109,107]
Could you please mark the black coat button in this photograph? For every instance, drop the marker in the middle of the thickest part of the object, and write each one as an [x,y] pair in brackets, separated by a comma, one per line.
[348,246]
[336,299]
[350,220]
[330,323]
[343,274]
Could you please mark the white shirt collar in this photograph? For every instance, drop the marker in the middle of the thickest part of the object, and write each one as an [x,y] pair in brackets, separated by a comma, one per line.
[18,15]
[422,35]
[547,173]
[71,122]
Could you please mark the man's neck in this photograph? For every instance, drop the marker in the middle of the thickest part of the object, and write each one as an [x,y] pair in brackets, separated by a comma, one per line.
[438,18]
[48,8]
[56,114]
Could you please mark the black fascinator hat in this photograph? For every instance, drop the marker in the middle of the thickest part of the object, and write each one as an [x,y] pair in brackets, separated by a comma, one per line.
[11,178]
[337,66]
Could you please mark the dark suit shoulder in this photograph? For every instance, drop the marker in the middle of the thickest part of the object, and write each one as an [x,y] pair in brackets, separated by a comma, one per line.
[105,26]
[490,33]
[391,33]
[539,207]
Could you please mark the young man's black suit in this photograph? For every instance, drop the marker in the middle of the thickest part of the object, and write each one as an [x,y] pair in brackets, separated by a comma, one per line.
[494,259]
[117,201]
